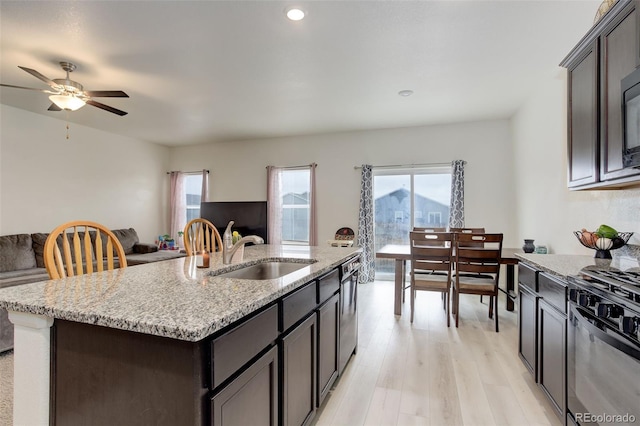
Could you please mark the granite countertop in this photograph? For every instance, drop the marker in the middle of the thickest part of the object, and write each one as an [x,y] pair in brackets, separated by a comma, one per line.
[172,298]
[564,265]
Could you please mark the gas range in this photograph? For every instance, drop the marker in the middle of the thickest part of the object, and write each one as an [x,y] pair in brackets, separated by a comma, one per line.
[612,295]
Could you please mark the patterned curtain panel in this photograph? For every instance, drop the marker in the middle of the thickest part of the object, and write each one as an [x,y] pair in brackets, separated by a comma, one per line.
[456,209]
[365,227]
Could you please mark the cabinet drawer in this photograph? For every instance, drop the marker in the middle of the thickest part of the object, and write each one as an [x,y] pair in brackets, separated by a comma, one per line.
[553,290]
[297,305]
[238,346]
[328,285]
[528,277]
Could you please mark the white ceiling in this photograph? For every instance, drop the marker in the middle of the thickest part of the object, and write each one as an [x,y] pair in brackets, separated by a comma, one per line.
[203,71]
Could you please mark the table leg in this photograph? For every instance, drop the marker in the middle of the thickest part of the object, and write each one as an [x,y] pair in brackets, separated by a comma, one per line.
[397,303]
[510,286]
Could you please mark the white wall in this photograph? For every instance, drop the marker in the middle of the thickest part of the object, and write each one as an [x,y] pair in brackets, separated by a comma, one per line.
[238,168]
[46,180]
[547,211]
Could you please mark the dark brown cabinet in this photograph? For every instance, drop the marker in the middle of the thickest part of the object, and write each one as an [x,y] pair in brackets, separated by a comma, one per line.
[583,118]
[528,317]
[299,366]
[619,52]
[552,343]
[328,337]
[527,324]
[542,323]
[252,398]
[596,66]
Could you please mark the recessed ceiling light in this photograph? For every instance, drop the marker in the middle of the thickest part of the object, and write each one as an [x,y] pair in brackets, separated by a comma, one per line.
[295,14]
[405,93]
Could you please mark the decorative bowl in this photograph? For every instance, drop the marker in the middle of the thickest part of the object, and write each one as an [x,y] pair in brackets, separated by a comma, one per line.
[603,246]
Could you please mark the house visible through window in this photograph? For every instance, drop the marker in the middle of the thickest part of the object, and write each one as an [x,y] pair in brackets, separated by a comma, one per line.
[407,198]
[193,190]
[296,189]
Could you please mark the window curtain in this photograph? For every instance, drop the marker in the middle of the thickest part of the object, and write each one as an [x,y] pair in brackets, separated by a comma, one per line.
[177,204]
[204,194]
[456,208]
[365,226]
[274,210]
[313,216]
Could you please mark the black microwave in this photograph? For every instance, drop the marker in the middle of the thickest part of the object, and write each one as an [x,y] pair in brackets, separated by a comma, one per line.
[630,86]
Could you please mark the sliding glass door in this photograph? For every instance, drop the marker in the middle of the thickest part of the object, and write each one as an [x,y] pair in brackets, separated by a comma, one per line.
[405,198]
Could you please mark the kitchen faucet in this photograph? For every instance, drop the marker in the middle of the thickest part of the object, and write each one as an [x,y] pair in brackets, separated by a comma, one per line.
[228,248]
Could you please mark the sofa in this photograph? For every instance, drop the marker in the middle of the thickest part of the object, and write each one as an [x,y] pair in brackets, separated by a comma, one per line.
[22,262]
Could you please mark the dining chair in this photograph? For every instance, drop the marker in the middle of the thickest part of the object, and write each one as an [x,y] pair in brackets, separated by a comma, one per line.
[201,235]
[82,247]
[431,256]
[477,269]
[418,229]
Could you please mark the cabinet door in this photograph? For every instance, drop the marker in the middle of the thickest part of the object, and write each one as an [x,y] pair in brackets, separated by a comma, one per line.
[583,119]
[619,50]
[527,329]
[552,341]
[299,366]
[252,398]
[328,322]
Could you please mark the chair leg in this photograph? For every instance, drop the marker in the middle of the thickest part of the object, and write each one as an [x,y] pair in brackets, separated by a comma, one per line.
[404,279]
[490,306]
[456,298]
[412,294]
[446,298]
[496,319]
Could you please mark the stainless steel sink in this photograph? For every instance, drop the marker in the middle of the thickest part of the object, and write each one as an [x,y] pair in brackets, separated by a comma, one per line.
[267,270]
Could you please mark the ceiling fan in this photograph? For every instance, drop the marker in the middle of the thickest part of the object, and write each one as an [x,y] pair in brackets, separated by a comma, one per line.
[69,95]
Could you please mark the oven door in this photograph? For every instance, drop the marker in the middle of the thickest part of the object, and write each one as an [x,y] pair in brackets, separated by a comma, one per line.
[603,372]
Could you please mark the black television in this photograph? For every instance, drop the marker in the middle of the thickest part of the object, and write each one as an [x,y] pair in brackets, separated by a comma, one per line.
[250,217]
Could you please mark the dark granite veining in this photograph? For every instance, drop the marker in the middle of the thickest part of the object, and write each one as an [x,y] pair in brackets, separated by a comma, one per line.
[173,298]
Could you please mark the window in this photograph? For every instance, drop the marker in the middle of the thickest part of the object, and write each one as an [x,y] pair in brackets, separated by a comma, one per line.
[193,191]
[296,189]
[405,198]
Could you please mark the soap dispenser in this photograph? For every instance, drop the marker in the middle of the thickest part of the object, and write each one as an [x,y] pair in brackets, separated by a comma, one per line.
[227,237]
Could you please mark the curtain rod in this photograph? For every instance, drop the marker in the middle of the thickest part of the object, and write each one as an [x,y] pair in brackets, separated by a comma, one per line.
[406,166]
[197,171]
[303,166]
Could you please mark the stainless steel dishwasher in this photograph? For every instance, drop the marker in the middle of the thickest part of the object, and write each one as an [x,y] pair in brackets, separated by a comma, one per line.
[348,310]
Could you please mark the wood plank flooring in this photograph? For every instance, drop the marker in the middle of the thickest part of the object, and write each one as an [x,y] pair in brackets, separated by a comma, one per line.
[427,374]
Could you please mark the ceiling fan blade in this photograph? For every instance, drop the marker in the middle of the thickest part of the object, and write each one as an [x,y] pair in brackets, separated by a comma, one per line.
[106,93]
[36,74]
[106,107]
[28,88]
[54,107]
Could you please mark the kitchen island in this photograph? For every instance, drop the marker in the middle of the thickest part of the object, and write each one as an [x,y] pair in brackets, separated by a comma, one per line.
[158,343]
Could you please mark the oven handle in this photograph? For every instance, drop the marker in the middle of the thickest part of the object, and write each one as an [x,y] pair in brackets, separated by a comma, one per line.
[626,348]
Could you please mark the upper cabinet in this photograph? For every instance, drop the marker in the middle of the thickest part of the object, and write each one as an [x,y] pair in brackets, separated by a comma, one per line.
[596,66]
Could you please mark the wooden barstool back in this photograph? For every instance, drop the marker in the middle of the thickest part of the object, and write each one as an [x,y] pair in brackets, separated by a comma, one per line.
[469,231]
[82,247]
[201,235]
[431,257]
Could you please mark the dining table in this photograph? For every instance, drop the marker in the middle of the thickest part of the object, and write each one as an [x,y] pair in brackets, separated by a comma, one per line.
[402,252]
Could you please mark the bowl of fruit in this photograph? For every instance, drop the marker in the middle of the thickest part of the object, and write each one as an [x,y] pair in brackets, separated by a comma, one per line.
[603,240]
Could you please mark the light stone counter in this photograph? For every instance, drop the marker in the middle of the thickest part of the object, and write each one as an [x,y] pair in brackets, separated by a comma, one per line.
[564,265]
[171,298]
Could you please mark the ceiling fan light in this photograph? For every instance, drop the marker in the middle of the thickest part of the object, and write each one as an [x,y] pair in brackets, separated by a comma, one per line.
[67,102]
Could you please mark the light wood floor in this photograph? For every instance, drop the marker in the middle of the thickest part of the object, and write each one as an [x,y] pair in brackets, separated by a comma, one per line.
[427,374]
